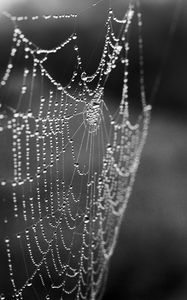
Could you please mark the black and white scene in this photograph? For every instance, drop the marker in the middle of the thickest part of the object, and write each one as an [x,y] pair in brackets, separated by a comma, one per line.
[93,139]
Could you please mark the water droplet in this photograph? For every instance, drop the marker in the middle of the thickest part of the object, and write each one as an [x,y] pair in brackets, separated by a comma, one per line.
[3,182]
[18,236]
[26,72]
[130,14]
[95,104]
[60,88]
[7,240]
[47,297]
[111,12]
[29,113]
[21,182]
[118,49]
[27,49]
[53,286]
[109,148]
[83,76]
[24,89]
[29,283]
[2,297]
[10,66]
[86,219]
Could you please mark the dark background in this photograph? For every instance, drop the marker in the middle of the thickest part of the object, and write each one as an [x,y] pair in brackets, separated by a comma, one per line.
[150,260]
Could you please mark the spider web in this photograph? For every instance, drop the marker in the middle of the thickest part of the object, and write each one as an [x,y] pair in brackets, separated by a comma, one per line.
[70,168]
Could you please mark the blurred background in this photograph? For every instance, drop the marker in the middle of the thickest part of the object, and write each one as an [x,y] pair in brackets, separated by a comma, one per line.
[150,260]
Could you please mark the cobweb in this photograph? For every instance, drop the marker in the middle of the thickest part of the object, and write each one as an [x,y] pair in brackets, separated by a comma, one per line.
[70,166]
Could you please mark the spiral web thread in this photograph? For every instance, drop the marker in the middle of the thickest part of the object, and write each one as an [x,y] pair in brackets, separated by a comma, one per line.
[73,165]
